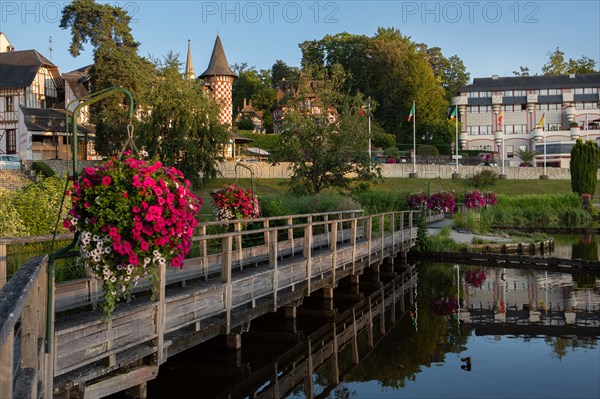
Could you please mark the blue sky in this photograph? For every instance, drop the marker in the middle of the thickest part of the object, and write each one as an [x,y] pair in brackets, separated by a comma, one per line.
[491,37]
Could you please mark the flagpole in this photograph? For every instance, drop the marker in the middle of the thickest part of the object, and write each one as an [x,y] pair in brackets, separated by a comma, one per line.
[456,128]
[545,139]
[414,139]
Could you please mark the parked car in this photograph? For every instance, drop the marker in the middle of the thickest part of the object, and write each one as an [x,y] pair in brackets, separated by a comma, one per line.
[488,164]
[10,162]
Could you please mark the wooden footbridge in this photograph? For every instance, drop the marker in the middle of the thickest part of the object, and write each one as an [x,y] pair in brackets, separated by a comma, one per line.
[236,274]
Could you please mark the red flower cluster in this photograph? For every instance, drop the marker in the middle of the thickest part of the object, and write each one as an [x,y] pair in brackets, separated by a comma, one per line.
[133,216]
[475,278]
[442,202]
[416,200]
[474,200]
[233,202]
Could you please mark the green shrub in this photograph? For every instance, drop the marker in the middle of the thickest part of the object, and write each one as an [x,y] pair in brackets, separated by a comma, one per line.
[427,150]
[11,224]
[536,210]
[468,220]
[267,142]
[33,210]
[584,167]
[375,201]
[484,178]
[273,207]
[442,242]
[42,168]
[303,204]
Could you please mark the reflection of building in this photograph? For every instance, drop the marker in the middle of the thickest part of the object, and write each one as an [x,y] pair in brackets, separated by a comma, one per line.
[508,110]
[523,297]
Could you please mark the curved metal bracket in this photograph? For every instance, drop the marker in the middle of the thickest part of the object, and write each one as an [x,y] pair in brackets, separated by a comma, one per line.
[251,175]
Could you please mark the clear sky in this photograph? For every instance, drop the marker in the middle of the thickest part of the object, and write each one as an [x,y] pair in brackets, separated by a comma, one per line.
[491,37]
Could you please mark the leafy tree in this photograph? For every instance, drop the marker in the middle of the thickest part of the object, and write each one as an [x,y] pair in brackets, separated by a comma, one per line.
[324,153]
[255,86]
[181,127]
[582,65]
[557,65]
[280,70]
[116,63]
[451,72]
[392,70]
[585,158]
[523,71]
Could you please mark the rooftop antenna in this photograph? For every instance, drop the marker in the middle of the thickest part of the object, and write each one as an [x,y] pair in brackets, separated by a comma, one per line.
[50,48]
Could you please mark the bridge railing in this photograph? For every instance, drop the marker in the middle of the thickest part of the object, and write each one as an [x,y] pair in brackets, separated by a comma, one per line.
[24,365]
[320,242]
[270,271]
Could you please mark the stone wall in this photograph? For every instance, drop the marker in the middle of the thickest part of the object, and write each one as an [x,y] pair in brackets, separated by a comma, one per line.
[264,170]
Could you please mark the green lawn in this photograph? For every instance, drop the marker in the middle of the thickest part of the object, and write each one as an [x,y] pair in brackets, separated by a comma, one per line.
[275,187]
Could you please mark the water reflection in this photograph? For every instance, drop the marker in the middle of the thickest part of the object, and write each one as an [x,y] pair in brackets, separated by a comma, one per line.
[446,331]
[571,246]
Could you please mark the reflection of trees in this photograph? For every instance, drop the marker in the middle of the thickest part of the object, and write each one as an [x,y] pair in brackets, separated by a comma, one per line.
[585,250]
[560,345]
[400,355]
[584,281]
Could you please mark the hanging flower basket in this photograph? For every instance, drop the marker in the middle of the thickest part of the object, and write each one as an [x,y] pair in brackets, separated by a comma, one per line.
[233,202]
[441,202]
[416,200]
[133,216]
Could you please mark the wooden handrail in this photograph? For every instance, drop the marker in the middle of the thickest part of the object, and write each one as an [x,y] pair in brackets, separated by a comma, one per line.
[23,301]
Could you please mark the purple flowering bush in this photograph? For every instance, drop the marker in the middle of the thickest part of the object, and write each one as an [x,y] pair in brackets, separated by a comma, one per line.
[443,202]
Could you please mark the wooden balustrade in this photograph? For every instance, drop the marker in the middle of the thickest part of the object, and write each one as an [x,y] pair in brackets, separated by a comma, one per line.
[254,271]
[24,366]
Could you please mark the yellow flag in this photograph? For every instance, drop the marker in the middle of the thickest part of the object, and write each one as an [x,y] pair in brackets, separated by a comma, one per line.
[541,124]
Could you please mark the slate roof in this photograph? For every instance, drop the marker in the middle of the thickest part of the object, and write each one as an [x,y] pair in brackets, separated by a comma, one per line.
[18,68]
[218,65]
[533,82]
[49,120]
[78,79]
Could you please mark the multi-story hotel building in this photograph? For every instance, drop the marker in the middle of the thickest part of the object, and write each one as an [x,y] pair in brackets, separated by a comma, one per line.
[541,113]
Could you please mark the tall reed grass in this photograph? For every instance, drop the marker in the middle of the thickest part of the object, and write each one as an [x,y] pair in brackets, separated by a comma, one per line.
[536,211]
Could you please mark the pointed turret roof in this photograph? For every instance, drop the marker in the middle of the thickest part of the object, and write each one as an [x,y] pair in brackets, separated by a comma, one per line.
[189,66]
[218,65]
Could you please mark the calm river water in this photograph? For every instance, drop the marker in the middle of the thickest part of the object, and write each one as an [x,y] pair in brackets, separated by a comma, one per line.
[457,332]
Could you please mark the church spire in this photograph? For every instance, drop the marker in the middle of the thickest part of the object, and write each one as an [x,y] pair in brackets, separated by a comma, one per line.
[189,66]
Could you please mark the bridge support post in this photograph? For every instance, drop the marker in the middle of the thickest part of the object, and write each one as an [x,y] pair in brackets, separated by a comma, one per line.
[233,341]
[328,298]
[354,284]
[290,312]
